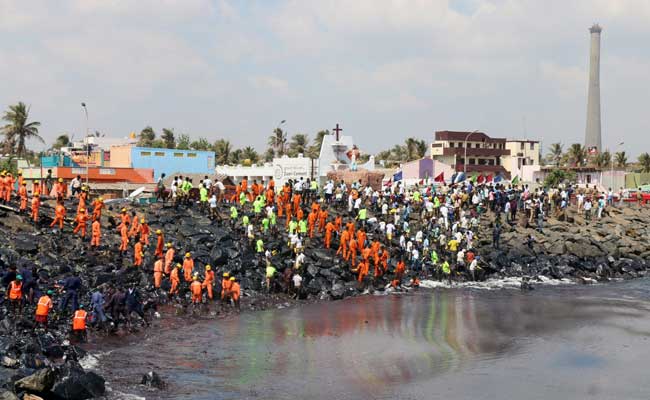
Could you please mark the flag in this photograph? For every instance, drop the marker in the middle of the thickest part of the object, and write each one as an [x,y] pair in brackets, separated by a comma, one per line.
[440,178]
[389,183]
[515,180]
[498,178]
[460,177]
[488,178]
[474,178]
[480,179]
[421,182]
[397,177]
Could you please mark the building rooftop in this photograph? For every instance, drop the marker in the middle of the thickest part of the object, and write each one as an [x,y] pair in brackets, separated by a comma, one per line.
[462,136]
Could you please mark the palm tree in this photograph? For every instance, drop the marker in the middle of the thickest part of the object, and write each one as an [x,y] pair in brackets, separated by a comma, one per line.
[222,148]
[603,159]
[314,149]
[269,154]
[399,153]
[236,156]
[557,149]
[146,137]
[61,141]
[183,142]
[249,153]
[201,144]
[18,130]
[168,137]
[298,144]
[644,160]
[278,142]
[621,159]
[577,154]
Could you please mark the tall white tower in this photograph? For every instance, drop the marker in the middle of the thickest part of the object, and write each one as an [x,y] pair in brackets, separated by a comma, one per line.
[592,131]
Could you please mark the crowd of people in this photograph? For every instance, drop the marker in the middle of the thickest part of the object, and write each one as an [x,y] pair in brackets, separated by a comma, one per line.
[391,236]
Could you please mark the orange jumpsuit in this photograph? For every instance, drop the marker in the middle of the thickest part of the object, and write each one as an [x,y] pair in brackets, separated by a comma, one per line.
[343,246]
[97,209]
[36,189]
[60,190]
[135,227]
[9,183]
[22,192]
[399,270]
[352,254]
[144,233]
[363,270]
[137,254]
[270,197]
[124,232]
[81,219]
[311,222]
[159,246]
[287,208]
[375,246]
[173,277]
[36,204]
[384,261]
[157,272]
[328,234]
[188,267]
[322,218]
[169,257]
[300,214]
[96,230]
[208,282]
[235,291]
[338,222]
[126,220]
[59,215]
[82,201]
[226,284]
[197,292]
[296,202]
[361,238]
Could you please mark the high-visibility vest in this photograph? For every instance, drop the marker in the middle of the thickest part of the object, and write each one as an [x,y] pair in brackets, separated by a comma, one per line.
[79,320]
[44,305]
[15,290]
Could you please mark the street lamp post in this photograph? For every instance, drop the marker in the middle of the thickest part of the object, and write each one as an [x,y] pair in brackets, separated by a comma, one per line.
[83,105]
[465,158]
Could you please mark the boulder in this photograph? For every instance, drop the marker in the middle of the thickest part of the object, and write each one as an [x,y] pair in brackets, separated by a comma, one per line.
[152,379]
[7,395]
[39,382]
[73,383]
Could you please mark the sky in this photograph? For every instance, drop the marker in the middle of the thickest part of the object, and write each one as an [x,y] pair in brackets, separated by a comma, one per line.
[383,69]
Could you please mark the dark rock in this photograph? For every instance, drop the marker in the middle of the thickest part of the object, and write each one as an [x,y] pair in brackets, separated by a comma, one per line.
[39,382]
[152,379]
[74,383]
[9,362]
[7,395]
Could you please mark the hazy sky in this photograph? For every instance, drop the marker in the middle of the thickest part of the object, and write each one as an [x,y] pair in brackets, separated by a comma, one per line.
[385,70]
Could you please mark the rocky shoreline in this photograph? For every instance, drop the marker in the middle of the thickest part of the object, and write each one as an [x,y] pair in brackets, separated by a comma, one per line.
[46,363]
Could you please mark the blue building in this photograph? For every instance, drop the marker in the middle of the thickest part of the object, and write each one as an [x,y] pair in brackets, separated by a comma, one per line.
[167,161]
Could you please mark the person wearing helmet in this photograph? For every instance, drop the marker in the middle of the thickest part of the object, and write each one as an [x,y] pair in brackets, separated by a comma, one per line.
[98,205]
[235,291]
[124,238]
[59,215]
[225,287]
[135,226]
[188,267]
[60,190]
[145,231]
[208,281]
[160,241]
[79,323]
[9,187]
[16,295]
[36,205]
[158,267]
[196,290]
[83,198]
[125,218]
[81,219]
[96,233]
[43,308]
[138,253]
[175,280]
[36,188]
[22,194]
[169,258]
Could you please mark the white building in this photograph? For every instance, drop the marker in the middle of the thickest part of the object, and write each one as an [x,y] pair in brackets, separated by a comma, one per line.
[280,169]
[522,153]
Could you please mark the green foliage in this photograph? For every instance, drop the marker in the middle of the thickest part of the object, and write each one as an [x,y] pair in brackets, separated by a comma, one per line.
[18,130]
[222,149]
[577,155]
[169,138]
[9,164]
[621,159]
[158,144]
[183,142]
[278,142]
[644,160]
[558,176]
[298,144]
[61,141]
[556,152]
[200,144]
[146,137]
[602,160]
[249,153]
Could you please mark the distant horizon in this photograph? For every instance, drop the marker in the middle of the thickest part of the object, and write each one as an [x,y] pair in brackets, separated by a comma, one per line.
[385,71]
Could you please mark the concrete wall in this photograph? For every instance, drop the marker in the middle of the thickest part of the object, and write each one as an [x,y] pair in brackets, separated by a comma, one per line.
[281,170]
[169,161]
[120,156]
[634,180]
[327,155]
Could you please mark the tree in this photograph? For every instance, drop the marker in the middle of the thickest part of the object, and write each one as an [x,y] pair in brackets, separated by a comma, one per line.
[236,157]
[577,155]
[558,176]
[399,153]
[298,144]
[183,142]
[146,137]
[644,160]
[168,137]
[278,142]
[556,153]
[603,160]
[61,141]
[18,130]
[158,144]
[249,153]
[200,144]
[621,159]
[269,154]
[415,149]
[314,150]
[222,149]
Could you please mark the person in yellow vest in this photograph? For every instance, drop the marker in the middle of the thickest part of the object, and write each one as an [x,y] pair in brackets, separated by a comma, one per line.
[43,308]
[79,323]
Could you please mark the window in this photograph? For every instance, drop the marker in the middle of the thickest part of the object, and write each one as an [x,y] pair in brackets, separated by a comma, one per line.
[178,154]
[490,161]
[477,145]
[460,145]
[159,154]
[451,144]
[532,145]
[193,155]
[145,153]
[472,161]
[521,145]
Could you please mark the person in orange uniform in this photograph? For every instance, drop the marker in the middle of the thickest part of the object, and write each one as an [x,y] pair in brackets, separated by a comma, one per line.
[361,238]
[235,291]
[59,215]
[399,271]
[96,233]
[296,202]
[338,222]
[352,252]
[79,323]
[36,205]
[138,253]
[208,281]
[188,267]
[196,289]
[158,272]
[43,308]
[135,226]
[124,217]
[9,187]
[287,209]
[60,190]
[98,205]
[36,188]
[225,286]
[16,295]
[311,222]
[383,259]
[329,228]
[124,236]
[322,220]
[22,193]
[81,219]
[363,270]
[343,245]
[175,280]
[21,180]
[83,197]
[169,258]
[145,231]
[300,214]
[160,244]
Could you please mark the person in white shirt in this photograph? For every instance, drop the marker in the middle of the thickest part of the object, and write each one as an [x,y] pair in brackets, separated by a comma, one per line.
[390,228]
[473,266]
[297,284]
[384,209]
[213,206]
